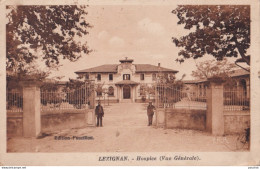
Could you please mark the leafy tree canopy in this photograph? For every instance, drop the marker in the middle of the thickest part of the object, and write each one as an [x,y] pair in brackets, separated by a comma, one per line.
[49,30]
[213,68]
[221,31]
[170,80]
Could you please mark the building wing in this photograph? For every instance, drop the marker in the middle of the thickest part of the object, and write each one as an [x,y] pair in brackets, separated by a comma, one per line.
[107,68]
[239,72]
[141,68]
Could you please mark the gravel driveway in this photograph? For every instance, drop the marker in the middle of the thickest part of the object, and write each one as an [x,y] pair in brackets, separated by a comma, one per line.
[125,130]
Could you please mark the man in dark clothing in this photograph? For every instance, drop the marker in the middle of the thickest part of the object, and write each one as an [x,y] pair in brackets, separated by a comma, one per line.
[99,113]
[150,113]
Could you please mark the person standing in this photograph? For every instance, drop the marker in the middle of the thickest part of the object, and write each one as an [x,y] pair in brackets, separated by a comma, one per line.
[188,93]
[150,113]
[99,112]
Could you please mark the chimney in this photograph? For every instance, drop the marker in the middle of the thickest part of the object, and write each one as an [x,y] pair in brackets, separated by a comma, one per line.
[159,64]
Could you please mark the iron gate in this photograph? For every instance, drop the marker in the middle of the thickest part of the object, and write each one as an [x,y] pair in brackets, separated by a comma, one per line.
[70,99]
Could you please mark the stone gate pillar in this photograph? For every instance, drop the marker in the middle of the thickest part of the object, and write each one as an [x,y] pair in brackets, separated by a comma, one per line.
[160,117]
[215,105]
[90,112]
[31,109]
[92,98]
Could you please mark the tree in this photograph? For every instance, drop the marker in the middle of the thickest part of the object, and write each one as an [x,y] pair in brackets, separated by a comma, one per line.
[78,93]
[147,90]
[31,72]
[213,68]
[48,30]
[99,90]
[109,92]
[221,31]
[170,80]
[74,84]
[166,78]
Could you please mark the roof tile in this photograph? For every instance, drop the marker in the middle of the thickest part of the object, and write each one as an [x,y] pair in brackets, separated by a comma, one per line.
[112,68]
[239,72]
[152,68]
[107,68]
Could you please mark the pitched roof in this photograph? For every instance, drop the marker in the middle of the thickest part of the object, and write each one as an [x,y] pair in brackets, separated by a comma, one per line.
[151,68]
[194,81]
[112,68]
[239,72]
[58,82]
[235,73]
[107,68]
[189,81]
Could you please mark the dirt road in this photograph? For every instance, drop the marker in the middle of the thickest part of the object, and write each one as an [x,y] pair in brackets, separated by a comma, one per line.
[125,130]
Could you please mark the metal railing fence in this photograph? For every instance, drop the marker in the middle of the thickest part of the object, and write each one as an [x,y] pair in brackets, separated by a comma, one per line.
[236,100]
[78,98]
[168,96]
[14,101]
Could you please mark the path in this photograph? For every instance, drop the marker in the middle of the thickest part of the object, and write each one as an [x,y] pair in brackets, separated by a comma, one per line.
[125,130]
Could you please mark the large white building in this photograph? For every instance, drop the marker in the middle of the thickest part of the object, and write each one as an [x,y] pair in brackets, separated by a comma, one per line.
[124,80]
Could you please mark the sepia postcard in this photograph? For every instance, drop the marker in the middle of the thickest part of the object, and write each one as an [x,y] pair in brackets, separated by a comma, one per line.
[130,83]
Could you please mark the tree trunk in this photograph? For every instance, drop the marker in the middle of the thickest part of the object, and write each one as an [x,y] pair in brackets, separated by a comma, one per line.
[242,54]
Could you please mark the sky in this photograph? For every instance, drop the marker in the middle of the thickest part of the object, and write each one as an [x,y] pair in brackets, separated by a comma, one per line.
[143,33]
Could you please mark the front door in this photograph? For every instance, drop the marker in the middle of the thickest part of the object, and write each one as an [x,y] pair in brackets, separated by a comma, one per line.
[126,92]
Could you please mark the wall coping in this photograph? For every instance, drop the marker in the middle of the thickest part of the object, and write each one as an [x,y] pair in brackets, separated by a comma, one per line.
[14,114]
[171,110]
[216,80]
[31,83]
[236,113]
[64,111]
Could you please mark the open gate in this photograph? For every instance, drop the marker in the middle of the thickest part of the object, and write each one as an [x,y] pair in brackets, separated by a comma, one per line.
[170,96]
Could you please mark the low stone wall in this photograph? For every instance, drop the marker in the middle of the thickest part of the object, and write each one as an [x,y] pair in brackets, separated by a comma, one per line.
[49,122]
[14,124]
[236,122]
[146,101]
[106,101]
[59,121]
[186,119]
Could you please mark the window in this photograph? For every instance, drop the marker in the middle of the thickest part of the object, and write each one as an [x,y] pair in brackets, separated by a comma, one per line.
[172,76]
[142,90]
[110,91]
[99,77]
[200,90]
[110,77]
[154,77]
[126,77]
[205,88]
[87,77]
[142,76]
[99,93]
[243,85]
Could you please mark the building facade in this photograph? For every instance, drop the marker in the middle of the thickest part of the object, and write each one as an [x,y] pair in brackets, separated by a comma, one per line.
[122,82]
[239,80]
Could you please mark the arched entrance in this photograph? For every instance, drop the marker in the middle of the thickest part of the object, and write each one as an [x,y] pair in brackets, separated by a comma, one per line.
[126,92]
